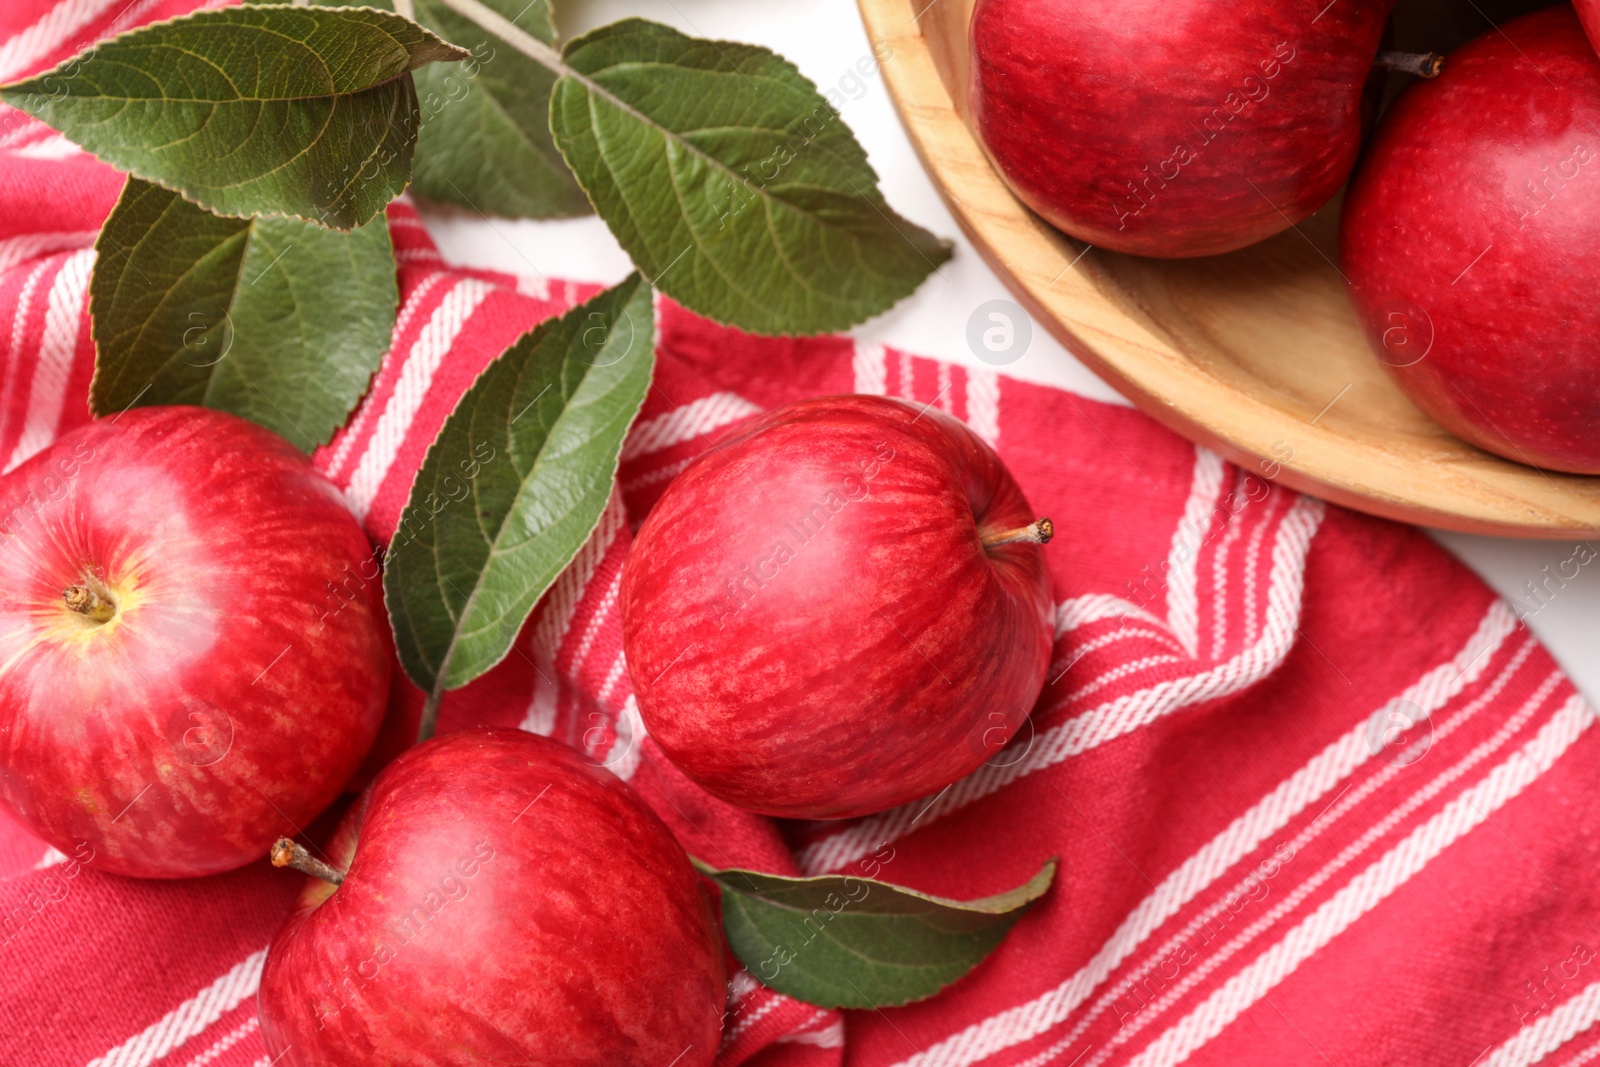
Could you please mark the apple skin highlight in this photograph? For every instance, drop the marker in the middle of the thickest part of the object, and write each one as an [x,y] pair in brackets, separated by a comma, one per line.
[813,623]
[506,900]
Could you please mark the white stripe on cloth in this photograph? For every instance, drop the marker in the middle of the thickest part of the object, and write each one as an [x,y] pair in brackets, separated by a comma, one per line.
[1096,607]
[686,423]
[559,607]
[189,1018]
[1113,719]
[628,749]
[540,718]
[1243,836]
[870,364]
[1219,582]
[55,147]
[17,127]
[566,595]
[1197,520]
[1252,555]
[983,404]
[830,1035]
[597,621]
[1161,636]
[14,250]
[1119,672]
[1183,560]
[432,344]
[1371,887]
[535,286]
[226,1041]
[772,1003]
[1346,856]
[613,676]
[1285,585]
[54,29]
[355,429]
[1537,1040]
[63,322]
[15,366]
[134,14]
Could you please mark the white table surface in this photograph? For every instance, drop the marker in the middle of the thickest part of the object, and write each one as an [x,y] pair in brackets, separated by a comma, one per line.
[825,38]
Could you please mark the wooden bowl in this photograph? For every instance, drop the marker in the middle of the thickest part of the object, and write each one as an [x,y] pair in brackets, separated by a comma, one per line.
[1256,353]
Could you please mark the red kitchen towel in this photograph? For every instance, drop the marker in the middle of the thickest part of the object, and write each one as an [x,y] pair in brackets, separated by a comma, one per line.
[1319,797]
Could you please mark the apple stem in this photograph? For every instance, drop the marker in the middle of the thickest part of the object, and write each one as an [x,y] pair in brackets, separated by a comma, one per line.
[286,853]
[1037,532]
[88,603]
[1422,64]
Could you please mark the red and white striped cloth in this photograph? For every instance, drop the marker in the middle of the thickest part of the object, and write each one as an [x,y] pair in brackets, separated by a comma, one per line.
[1250,874]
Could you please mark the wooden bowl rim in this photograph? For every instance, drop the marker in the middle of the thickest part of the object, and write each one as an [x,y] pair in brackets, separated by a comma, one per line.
[1459,489]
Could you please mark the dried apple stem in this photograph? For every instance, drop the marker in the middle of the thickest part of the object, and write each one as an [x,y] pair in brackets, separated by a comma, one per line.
[1037,532]
[1422,64]
[286,853]
[88,603]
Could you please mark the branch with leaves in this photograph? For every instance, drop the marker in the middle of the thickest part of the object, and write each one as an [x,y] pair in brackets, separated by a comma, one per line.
[245,268]
[262,141]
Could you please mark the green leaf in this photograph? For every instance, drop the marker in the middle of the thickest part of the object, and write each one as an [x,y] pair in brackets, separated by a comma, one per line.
[514,485]
[485,140]
[844,942]
[267,110]
[276,320]
[731,182]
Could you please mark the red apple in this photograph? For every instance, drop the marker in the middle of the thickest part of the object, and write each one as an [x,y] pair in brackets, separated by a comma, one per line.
[1173,127]
[819,617]
[177,685]
[1589,15]
[506,901]
[1468,241]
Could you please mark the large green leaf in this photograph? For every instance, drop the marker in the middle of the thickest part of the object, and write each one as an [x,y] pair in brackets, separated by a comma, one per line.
[514,485]
[267,110]
[839,941]
[731,182]
[277,320]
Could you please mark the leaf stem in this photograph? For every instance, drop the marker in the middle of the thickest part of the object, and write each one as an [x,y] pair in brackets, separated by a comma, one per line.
[516,36]
[430,711]
[552,60]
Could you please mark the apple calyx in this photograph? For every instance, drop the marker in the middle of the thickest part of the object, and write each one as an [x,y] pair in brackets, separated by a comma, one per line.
[286,853]
[1037,532]
[1422,64]
[88,603]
